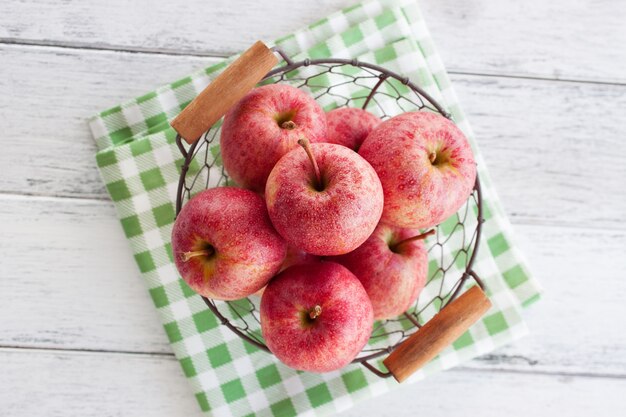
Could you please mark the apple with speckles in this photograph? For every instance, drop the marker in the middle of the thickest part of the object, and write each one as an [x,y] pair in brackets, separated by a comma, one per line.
[392,265]
[324,198]
[316,317]
[294,256]
[349,126]
[426,166]
[264,126]
[224,244]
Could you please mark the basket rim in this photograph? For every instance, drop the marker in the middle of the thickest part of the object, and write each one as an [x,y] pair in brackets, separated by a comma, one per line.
[385,73]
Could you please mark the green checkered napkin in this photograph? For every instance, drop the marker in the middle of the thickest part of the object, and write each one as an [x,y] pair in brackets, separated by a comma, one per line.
[140,162]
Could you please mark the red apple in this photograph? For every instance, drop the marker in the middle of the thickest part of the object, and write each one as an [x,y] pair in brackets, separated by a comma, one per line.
[265,125]
[316,317]
[294,257]
[392,265]
[325,199]
[224,245]
[350,126]
[426,166]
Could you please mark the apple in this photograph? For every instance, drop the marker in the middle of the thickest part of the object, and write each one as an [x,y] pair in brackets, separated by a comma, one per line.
[325,199]
[294,256]
[425,165]
[316,317]
[350,126]
[224,245]
[392,265]
[265,125]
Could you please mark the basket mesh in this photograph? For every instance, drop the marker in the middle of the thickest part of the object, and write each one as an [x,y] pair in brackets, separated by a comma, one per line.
[449,249]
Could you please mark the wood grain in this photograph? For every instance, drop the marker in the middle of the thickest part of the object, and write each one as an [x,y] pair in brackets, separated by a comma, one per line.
[437,334]
[559,39]
[82,290]
[230,86]
[576,39]
[494,394]
[61,384]
[45,129]
[551,147]
[87,384]
[69,279]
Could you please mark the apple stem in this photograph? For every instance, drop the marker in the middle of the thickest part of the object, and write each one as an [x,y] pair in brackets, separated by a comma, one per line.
[188,255]
[413,238]
[289,125]
[315,312]
[432,156]
[304,142]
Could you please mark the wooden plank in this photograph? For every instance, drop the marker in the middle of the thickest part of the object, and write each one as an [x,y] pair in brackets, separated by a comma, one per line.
[73,285]
[69,279]
[552,148]
[556,39]
[582,271]
[86,384]
[46,142]
[549,147]
[494,394]
[61,384]
[510,37]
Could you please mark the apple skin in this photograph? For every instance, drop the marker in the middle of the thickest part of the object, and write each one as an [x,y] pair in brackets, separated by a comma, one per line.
[329,222]
[294,257]
[349,126]
[331,340]
[253,139]
[393,279]
[247,249]
[419,193]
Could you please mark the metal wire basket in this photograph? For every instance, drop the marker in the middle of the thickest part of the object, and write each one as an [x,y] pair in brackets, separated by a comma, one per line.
[340,83]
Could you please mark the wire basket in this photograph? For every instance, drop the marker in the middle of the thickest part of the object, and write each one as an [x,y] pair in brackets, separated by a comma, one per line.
[344,83]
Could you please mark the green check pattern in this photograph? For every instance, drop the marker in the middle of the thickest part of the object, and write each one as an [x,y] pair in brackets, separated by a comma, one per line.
[140,165]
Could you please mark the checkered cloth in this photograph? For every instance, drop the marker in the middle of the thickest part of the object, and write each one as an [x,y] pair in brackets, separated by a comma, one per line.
[140,165]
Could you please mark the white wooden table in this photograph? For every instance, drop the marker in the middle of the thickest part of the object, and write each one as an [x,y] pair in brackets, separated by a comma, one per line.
[543,83]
